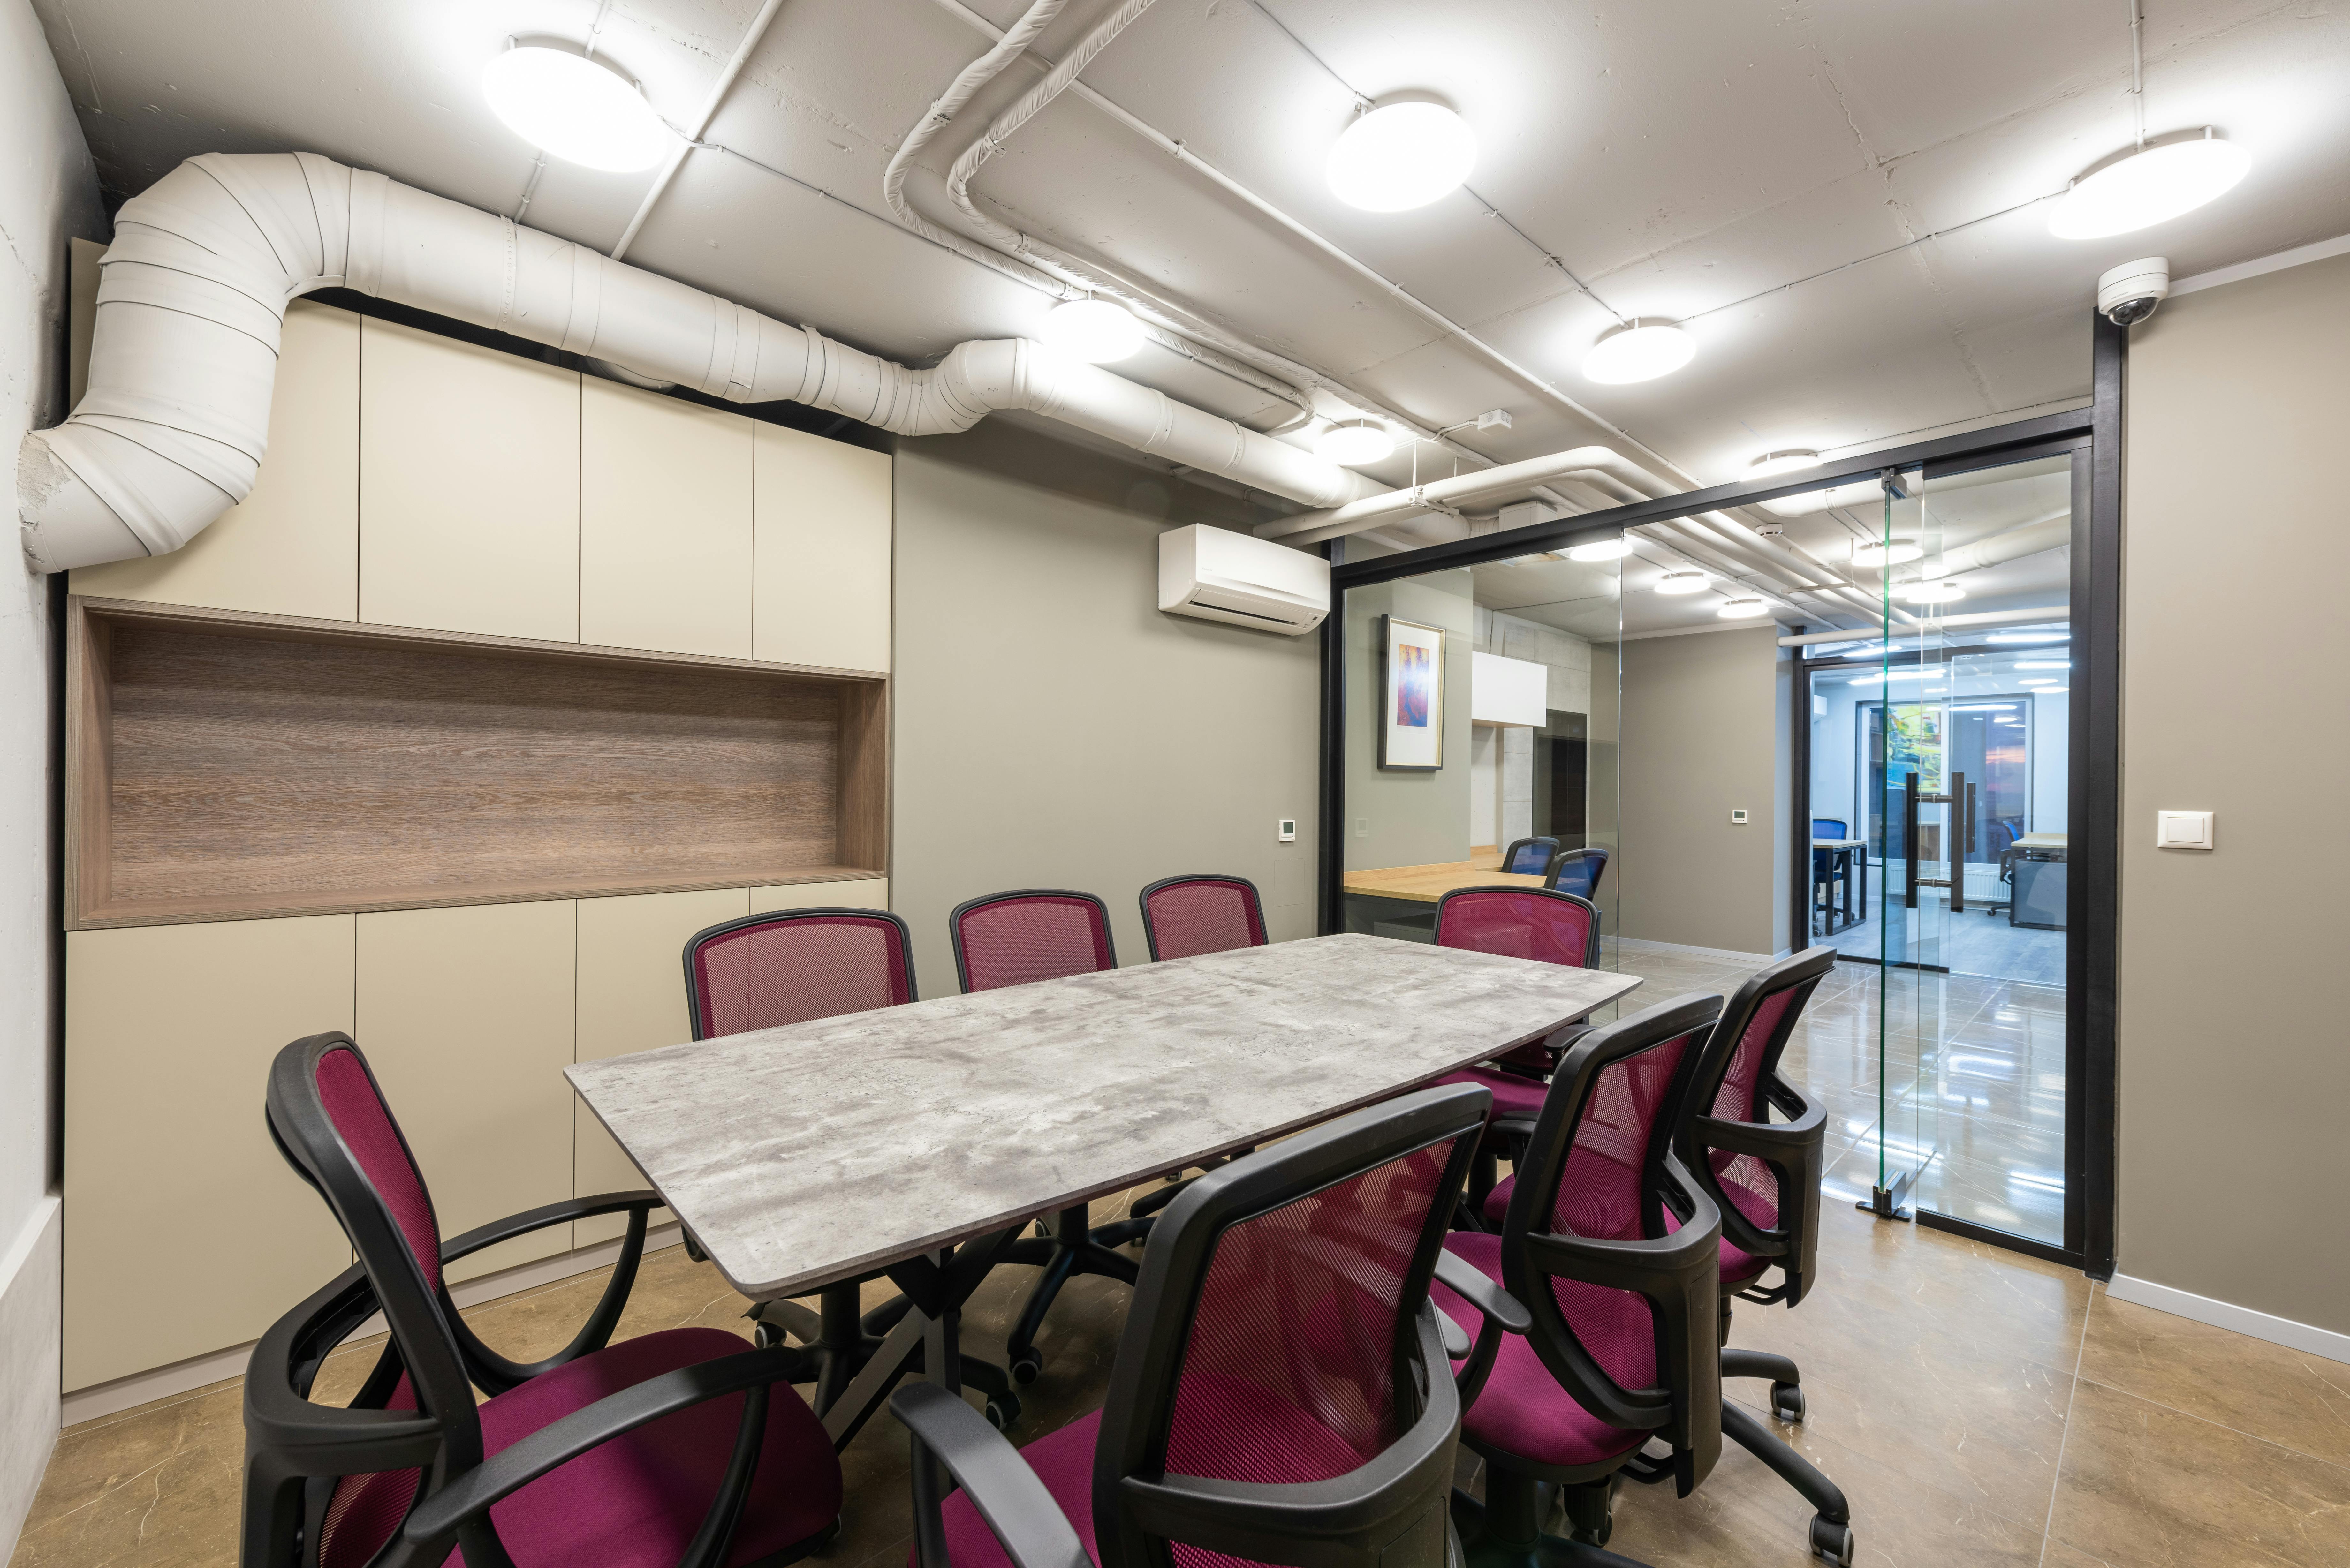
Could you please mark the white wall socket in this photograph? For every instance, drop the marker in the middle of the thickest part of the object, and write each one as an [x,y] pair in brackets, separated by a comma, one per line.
[2182,830]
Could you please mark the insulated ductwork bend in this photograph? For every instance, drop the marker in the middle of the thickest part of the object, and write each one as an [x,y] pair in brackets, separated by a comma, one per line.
[192,293]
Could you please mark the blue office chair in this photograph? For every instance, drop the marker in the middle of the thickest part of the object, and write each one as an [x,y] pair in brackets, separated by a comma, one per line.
[1578,871]
[1529,857]
[1829,827]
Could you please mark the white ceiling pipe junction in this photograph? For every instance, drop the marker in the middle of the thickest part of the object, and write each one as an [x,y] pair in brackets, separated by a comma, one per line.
[172,428]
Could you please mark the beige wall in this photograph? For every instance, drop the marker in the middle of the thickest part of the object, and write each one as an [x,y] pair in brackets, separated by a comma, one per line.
[1402,816]
[1050,726]
[1701,734]
[2233,1069]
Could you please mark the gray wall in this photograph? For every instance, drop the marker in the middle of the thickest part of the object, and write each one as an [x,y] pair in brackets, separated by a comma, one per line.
[47,196]
[2234,1071]
[1051,728]
[1702,732]
[1401,817]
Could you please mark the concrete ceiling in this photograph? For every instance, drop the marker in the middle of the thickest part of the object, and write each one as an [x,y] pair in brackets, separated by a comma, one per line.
[1839,197]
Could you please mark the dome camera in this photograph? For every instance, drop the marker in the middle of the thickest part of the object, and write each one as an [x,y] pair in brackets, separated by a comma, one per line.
[2129,294]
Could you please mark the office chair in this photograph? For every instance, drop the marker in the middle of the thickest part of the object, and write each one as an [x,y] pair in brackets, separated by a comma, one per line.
[1616,1344]
[1016,939]
[1529,857]
[791,966]
[1826,875]
[1577,871]
[1279,1393]
[1829,827]
[1527,923]
[1765,1178]
[569,1460]
[1185,915]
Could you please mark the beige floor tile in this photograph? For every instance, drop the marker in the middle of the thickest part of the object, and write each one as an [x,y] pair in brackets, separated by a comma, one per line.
[2156,1487]
[2261,1389]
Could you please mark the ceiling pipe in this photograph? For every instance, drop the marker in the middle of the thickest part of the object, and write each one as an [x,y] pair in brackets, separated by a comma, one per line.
[1449,495]
[2052,532]
[2052,613]
[192,299]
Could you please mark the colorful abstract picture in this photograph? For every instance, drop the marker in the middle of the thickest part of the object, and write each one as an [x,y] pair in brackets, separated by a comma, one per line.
[1413,666]
[1411,728]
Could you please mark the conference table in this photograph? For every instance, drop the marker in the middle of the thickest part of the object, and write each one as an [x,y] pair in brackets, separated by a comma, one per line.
[1429,884]
[922,1139]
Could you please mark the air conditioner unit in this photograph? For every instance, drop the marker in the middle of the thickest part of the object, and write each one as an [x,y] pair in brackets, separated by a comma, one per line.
[1217,575]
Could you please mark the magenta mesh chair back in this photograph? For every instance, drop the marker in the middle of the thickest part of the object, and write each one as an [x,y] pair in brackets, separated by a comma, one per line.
[1037,933]
[1185,915]
[417,1466]
[1280,1394]
[1521,922]
[795,965]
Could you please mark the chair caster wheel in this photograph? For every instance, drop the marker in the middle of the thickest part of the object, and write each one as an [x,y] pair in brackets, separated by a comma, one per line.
[1004,1409]
[1833,1541]
[1026,1366]
[1787,1403]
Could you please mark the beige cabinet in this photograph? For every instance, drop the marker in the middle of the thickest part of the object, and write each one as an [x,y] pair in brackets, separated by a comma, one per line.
[469,487]
[292,546]
[873,894]
[186,1232]
[466,1016]
[632,998]
[664,523]
[822,576]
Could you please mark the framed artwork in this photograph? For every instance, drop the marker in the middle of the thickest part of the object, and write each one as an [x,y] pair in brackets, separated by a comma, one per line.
[1412,693]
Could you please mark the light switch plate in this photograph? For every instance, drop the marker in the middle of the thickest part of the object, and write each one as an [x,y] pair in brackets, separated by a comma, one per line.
[1362,827]
[1287,830]
[1738,817]
[2182,830]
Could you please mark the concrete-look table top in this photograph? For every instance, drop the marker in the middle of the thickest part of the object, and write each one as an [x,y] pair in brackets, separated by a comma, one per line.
[812,1153]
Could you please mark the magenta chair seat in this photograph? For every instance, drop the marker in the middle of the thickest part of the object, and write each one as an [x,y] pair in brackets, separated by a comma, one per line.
[1521,1408]
[635,1501]
[1513,1097]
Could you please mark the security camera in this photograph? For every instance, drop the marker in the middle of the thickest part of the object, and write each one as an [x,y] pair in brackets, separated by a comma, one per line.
[2127,295]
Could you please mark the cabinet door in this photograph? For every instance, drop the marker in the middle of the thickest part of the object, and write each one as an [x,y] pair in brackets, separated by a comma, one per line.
[469,487]
[822,576]
[664,524]
[466,1016]
[632,998]
[186,1232]
[868,895]
[292,546]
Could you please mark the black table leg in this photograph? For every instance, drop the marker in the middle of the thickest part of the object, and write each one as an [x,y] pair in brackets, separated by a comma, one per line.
[936,1284]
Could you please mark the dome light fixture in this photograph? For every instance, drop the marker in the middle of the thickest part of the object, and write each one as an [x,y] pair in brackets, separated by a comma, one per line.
[1613,549]
[1638,351]
[2150,186]
[1886,553]
[1402,156]
[1351,443]
[553,96]
[1093,331]
[1789,462]
[1683,582]
[1930,593]
[1742,609]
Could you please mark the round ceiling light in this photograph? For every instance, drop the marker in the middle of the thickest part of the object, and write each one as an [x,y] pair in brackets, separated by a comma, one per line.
[1683,583]
[1613,549]
[1931,593]
[1740,609]
[1881,553]
[1093,331]
[1353,442]
[1638,351]
[1403,156]
[579,109]
[1789,462]
[2148,187]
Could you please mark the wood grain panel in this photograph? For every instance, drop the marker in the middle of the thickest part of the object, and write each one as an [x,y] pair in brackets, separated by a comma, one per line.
[229,770]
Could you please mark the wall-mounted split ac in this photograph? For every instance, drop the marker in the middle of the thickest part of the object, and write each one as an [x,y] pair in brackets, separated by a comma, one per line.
[1217,575]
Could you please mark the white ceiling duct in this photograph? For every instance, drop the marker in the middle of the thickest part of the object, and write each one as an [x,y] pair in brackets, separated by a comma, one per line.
[2049,532]
[1460,490]
[192,293]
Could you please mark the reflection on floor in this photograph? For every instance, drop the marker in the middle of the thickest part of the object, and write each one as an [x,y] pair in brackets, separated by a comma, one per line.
[1984,1108]
[1978,1407]
[1971,942]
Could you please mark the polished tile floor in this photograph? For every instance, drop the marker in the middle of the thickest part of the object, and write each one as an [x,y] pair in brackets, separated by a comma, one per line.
[1978,1407]
[1971,942]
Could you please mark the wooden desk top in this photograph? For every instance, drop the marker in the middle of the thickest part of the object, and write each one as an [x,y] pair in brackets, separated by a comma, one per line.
[809,1154]
[2042,841]
[1838,843]
[1426,883]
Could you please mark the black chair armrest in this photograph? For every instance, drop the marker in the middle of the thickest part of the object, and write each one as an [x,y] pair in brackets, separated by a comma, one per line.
[1788,1100]
[1481,1291]
[1761,1139]
[1032,1530]
[433,1523]
[492,1372]
[1456,1342]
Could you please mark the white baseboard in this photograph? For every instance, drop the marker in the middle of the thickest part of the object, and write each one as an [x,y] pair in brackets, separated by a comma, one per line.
[30,1347]
[102,1399]
[2301,1336]
[1718,955]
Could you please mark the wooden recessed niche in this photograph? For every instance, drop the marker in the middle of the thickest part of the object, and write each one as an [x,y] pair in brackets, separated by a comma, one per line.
[230,766]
